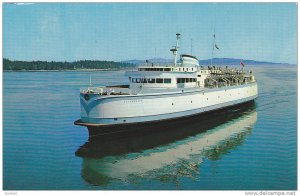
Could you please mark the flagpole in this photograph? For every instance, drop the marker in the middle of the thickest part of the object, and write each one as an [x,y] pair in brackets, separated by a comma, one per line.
[242,64]
[213,48]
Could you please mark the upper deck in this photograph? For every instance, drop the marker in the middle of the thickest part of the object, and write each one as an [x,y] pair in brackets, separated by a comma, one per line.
[182,74]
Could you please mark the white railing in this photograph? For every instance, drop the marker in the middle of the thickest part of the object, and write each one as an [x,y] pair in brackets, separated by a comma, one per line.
[103,90]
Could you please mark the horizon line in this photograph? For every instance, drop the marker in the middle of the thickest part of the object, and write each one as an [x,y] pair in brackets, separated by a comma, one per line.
[124,61]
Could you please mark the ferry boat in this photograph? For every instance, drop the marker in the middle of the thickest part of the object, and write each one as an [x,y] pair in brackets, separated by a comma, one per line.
[163,92]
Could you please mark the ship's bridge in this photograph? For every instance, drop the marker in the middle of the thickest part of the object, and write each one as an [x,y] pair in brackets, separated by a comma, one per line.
[188,60]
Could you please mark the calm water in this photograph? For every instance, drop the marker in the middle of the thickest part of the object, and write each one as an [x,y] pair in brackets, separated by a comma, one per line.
[254,148]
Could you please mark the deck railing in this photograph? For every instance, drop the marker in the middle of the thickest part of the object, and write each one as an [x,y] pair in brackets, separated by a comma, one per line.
[103,90]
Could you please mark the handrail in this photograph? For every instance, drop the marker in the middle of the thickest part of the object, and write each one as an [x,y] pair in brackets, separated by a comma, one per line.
[103,90]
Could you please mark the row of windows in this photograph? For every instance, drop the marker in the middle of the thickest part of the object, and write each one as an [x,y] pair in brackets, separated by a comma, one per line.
[186,80]
[151,80]
[186,69]
[155,69]
[161,80]
[165,69]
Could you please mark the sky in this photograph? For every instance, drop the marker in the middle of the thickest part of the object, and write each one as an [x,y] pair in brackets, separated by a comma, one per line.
[126,31]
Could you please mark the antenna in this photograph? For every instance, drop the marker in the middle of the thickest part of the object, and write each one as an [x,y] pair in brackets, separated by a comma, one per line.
[191,46]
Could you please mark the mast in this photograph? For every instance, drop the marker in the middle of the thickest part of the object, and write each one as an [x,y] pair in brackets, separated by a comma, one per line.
[175,49]
[90,79]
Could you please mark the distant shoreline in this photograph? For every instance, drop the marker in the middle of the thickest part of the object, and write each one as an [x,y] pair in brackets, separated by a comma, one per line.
[82,65]
[114,69]
[97,65]
[67,70]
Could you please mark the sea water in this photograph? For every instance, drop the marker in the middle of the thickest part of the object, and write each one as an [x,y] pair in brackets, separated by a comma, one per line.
[254,148]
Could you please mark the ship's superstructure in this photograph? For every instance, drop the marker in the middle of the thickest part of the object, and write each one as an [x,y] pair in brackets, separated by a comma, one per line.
[159,92]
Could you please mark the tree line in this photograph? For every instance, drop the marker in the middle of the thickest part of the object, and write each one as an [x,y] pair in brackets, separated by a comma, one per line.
[13,65]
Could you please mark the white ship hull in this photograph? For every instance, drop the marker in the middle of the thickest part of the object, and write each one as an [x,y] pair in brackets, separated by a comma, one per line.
[110,110]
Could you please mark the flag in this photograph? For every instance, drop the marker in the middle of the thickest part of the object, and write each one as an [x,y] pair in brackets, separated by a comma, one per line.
[242,64]
[217,47]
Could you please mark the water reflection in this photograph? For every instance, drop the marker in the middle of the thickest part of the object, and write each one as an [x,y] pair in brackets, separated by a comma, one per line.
[166,153]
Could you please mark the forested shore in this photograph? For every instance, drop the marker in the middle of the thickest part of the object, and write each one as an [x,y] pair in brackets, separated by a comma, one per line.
[14,65]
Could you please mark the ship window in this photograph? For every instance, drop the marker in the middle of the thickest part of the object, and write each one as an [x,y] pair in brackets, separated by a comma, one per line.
[151,80]
[199,75]
[180,80]
[159,80]
[138,80]
[167,80]
[161,69]
[167,69]
[143,80]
